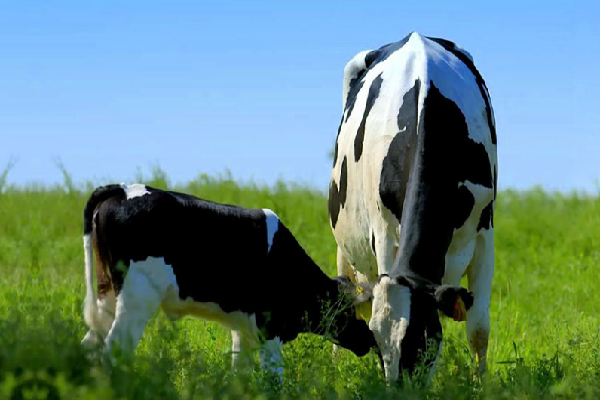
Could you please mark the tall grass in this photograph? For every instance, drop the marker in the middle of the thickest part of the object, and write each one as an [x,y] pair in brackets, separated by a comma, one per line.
[545,339]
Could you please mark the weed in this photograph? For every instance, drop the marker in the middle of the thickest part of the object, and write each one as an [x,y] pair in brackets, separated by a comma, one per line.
[544,340]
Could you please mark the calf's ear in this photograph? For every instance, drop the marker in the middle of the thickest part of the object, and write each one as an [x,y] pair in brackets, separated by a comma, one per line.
[364,293]
[453,301]
[359,293]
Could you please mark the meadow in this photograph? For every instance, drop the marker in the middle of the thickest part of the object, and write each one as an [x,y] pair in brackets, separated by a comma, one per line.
[545,310]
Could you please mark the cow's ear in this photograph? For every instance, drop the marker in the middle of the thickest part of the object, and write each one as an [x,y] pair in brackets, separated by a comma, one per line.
[453,301]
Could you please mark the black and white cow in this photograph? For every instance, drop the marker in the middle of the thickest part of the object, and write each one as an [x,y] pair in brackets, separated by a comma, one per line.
[412,195]
[240,267]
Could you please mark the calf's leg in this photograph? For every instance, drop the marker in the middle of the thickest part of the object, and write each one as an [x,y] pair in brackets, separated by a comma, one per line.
[270,358]
[240,357]
[103,320]
[145,285]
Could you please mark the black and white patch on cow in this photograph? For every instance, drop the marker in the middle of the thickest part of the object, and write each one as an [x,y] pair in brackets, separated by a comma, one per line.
[240,267]
[418,144]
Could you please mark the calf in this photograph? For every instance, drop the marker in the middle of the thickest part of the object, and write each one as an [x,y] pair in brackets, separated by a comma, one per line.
[413,191]
[240,267]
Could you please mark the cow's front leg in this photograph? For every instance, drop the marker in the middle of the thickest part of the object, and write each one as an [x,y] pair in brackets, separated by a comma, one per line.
[480,275]
[343,266]
[384,240]
[138,301]
[270,357]
[457,262]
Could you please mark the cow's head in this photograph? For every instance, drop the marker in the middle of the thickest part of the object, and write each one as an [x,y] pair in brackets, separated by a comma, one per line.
[405,320]
[341,323]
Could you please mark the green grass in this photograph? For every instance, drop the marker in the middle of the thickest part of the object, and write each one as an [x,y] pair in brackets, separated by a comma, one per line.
[545,339]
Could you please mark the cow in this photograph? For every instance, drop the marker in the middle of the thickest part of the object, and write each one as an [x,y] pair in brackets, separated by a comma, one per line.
[240,267]
[412,195]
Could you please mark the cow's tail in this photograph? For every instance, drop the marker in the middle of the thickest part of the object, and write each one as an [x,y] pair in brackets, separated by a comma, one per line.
[101,194]
[354,70]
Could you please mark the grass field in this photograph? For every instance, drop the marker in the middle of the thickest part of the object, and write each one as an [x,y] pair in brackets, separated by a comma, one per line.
[545,339]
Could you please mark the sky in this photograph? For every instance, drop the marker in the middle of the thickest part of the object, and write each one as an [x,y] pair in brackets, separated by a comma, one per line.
[113,87]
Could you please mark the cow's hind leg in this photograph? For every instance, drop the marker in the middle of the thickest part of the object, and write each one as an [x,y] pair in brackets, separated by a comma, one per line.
[457,260]
[480,275]
[145,285]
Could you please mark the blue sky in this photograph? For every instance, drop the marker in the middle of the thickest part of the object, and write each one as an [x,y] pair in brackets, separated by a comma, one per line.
[111,87]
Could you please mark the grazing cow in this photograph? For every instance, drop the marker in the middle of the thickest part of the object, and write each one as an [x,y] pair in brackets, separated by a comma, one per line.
[412,194]
[240,267]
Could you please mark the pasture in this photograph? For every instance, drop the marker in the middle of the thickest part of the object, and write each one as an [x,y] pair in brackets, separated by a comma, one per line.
[544,343]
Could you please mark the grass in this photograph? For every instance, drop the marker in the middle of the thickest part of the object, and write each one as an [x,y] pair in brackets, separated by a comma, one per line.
[545,340]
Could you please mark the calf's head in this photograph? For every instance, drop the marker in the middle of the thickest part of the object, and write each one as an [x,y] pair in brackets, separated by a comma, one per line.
[339,321]
[405,320]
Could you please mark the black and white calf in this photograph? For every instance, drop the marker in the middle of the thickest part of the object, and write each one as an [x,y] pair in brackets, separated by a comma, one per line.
[412,195]
[240,267]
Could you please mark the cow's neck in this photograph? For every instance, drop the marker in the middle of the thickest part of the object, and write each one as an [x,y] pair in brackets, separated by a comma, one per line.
[427,224]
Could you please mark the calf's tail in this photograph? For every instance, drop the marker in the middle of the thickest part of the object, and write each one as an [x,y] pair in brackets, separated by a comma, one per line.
[90,308]
[101,194]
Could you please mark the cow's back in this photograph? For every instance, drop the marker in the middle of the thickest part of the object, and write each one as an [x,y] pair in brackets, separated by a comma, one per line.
[384,97]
